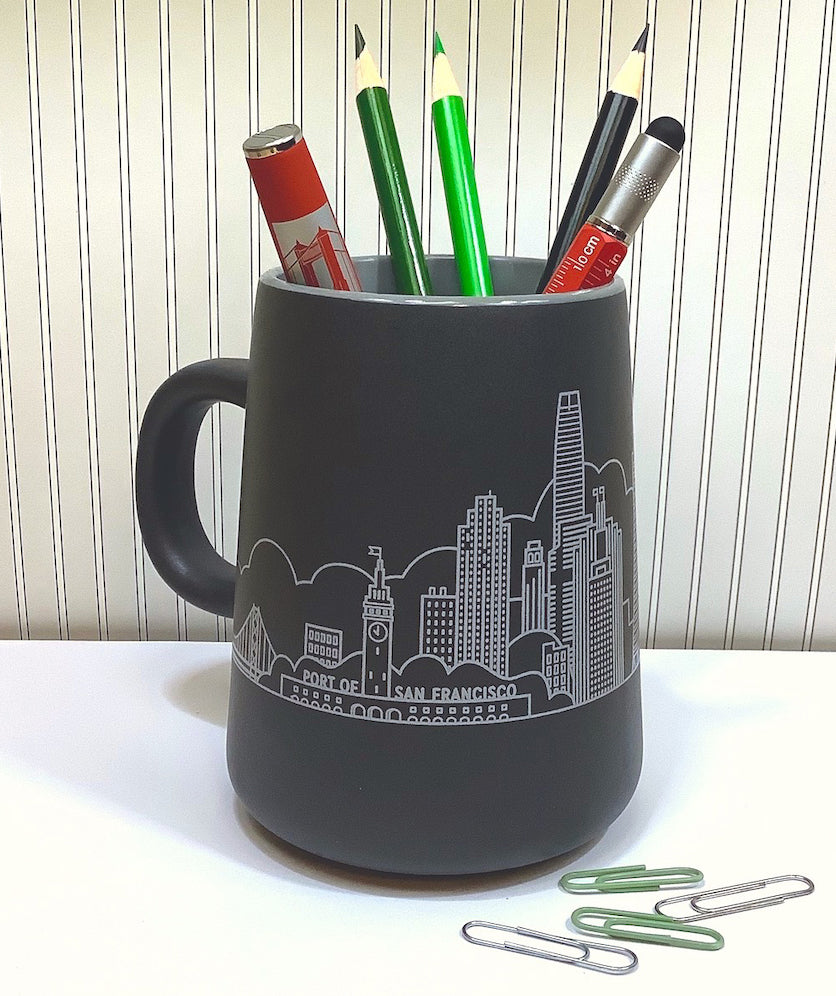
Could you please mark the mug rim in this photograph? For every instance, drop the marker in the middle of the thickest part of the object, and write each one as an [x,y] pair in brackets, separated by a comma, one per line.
[274,277]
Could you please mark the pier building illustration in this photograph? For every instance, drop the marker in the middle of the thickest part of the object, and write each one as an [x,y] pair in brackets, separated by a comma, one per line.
[572,606]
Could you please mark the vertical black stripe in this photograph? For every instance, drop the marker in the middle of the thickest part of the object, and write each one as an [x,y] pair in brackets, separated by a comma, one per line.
[791,433]
[120,66]
[510,207]
[426,117]
[381,229]
[601,53]
[389,48]
[41,261]
[337,189]
[519,125]
[252,127]
[169,235]
[384,71]
[343,43]
[606,80]
[10,453]
[85,281]
[431,154]
[302,65]
[210,139]
[717,315]
[474,117]
[757,338]
[673,341]
[293,94]
[645,105]
[825,499]
[554,126]
[557,131]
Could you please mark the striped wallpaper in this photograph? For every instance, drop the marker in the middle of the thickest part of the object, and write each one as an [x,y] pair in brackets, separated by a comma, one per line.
[130,243]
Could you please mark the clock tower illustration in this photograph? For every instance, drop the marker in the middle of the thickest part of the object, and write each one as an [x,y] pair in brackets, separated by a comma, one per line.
[378,620]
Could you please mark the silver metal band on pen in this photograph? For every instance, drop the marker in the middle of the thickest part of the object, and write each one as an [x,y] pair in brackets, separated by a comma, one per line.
[634,187]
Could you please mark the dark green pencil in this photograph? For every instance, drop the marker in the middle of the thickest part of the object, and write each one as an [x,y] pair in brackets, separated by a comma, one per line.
[408,262]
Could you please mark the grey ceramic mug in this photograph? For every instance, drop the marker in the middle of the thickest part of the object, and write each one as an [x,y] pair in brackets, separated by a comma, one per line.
[435,664]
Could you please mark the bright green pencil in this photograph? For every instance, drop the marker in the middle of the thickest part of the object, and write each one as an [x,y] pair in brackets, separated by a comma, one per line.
[408,262]
[459,179]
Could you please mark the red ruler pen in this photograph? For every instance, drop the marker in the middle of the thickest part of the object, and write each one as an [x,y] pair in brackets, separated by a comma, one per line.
[601,244]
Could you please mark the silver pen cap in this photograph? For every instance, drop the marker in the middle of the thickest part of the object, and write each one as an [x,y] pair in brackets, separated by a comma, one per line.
[639,178]
[271,141]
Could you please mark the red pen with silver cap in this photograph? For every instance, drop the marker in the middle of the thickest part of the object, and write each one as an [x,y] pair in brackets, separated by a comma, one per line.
[308,240]
[601,244]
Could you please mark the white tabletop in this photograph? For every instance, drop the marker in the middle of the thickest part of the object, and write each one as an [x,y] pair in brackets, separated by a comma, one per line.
[128,867]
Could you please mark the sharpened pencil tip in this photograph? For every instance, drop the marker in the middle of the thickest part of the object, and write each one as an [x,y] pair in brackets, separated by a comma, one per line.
[438,46]
[641,44]
[359,42]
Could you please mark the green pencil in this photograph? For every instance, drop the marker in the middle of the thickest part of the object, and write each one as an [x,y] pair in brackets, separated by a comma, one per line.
[459,179]
[408,262]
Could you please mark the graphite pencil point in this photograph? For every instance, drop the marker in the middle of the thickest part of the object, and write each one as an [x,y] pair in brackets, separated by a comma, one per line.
[641,44]
[359,41]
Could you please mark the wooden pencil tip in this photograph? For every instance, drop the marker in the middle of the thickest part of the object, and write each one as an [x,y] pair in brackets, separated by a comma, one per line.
[438,48]
[641,44]
[359,42]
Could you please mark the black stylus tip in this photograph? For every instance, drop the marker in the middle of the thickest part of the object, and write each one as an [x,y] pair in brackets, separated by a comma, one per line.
[669,131]
[359,42]
[641,44]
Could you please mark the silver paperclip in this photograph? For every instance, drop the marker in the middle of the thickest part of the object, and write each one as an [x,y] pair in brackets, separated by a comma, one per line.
[703,913]
[581,960]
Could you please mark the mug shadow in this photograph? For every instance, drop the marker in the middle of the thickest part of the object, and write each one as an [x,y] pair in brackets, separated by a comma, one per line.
[284,856]
[203,694]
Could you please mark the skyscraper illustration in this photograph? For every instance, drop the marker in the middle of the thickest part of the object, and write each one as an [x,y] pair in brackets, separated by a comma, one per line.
[556,670]
[533,588]
[483,583]
[570,520]
[568,502]
[597,604]
[438,624]
[634,597]
[378,622]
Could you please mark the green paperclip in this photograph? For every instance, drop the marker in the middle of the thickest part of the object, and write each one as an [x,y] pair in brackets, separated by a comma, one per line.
[630,878]
[615,922]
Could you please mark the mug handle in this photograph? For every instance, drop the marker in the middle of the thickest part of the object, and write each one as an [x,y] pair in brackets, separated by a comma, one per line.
[166,505]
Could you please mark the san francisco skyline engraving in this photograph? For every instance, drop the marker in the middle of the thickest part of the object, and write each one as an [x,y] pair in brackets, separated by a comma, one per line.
[488,644]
